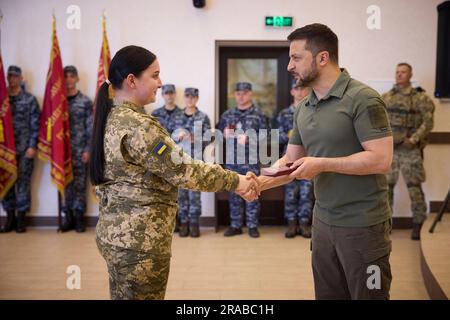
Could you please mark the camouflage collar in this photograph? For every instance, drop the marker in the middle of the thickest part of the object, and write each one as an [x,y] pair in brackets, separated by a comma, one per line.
[405,91]
[129,105]
[189,115]
[245,111]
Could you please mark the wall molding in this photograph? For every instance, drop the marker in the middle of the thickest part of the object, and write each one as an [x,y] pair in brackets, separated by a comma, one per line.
[48,221]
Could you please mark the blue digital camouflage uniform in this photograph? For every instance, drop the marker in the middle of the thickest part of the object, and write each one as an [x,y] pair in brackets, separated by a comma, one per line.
[81,121]
[166,117]
[189,202]
[26,114]
[298,196]
[251,118]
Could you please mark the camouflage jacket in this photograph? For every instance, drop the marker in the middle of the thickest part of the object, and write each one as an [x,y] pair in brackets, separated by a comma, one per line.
[26,115]
[196,126]
[410,113]
[81,118]
[138,203]
[250,119]
[166,118]
[285,122]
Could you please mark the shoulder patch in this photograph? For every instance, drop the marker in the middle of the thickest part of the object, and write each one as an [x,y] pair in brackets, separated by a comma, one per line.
[159,148]
[377,116]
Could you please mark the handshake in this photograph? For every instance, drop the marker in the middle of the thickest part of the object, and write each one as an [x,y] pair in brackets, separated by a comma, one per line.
[249,186]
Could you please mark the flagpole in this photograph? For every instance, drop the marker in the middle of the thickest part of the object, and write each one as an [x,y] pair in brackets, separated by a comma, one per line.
[59,193]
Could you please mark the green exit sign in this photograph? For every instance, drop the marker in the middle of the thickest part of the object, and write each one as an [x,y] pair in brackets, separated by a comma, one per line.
[278,21]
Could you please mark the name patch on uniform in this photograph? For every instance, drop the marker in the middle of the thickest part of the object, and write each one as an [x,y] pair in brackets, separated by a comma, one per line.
[160,148]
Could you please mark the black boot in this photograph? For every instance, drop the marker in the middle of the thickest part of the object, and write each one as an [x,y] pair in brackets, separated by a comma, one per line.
[305,230]
[194,230]
[253,232]
[232,232]
[79,221]
[184,230]
[68,222]
[292,229]
[10,221]
[21,228]
[415,235]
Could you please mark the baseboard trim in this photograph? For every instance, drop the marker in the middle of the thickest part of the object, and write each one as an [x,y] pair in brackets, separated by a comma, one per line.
[435,206]
[47,221]
[402,222]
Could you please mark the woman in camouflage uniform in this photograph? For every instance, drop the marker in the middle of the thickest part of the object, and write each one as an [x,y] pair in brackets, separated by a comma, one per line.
[137,170]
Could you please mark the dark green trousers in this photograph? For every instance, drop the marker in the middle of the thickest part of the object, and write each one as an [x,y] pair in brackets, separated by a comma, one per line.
[351,263]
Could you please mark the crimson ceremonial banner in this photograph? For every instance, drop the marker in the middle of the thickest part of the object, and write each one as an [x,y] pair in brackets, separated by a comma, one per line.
[105,58]
[54,131]
[8,163]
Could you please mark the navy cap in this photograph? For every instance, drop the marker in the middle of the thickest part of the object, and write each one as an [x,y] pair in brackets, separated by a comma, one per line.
[71,69]
[168,88]
[14,70]
[191,92]
[243,86]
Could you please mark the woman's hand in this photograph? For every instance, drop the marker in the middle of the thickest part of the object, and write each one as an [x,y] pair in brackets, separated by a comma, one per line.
[249,187]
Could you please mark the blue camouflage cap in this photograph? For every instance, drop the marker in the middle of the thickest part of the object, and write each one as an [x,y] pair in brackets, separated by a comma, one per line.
[191,92]
[71,69]
[243,86]
[14,70]
[168,88]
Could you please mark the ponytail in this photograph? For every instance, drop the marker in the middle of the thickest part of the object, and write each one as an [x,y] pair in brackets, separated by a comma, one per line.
[103,105]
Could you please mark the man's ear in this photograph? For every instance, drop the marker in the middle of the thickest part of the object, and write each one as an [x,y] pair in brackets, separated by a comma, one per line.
[323,58]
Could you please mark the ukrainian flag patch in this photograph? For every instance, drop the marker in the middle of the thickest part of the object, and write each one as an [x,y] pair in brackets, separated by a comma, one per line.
[160,148]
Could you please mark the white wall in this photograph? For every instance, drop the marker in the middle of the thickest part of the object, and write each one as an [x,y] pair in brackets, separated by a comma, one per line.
[183,38]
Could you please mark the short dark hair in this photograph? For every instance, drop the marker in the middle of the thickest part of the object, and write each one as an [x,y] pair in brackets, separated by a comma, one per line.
[406,64]
[318,38]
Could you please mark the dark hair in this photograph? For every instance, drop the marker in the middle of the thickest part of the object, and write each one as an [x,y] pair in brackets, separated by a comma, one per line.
[128,60]
[318,38]
[405,64]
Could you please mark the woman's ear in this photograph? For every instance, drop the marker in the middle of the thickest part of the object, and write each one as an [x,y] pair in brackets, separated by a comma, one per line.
[130,80]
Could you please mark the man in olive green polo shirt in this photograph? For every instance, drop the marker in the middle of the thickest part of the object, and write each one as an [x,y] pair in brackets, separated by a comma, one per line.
[341,138]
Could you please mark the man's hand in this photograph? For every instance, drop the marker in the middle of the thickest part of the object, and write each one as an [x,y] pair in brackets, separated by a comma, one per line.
[184,136]
[228,133]
[85,157]
[408,143]
[249,187]
[242,139]
[30,153]
[308,168]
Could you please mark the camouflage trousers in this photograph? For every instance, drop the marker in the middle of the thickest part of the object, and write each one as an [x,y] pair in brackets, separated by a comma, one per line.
[239,205]
[410,163]
[75,192]
[135,275]
[298,201]
[189,206]
[19,196]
